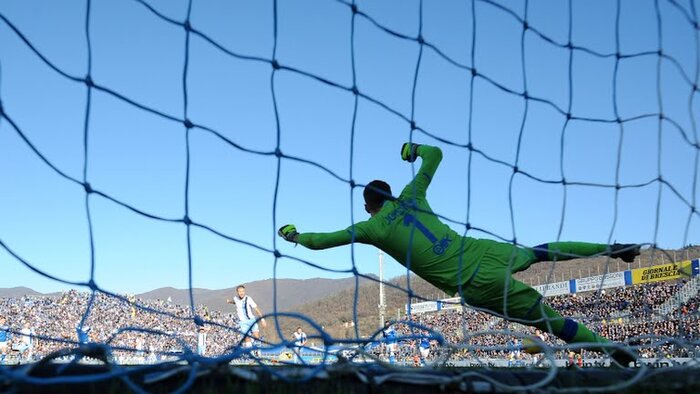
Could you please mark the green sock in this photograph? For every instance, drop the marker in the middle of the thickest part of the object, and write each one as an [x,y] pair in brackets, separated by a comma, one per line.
[567,329]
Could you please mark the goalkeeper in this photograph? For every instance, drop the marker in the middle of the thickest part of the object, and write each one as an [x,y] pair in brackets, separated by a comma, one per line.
[408,230]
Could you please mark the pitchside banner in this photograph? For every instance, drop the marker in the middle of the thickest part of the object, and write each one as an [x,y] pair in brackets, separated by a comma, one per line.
[613,279]
[658,273]
[449,303]
[595,363]
[553,289]
[423,307]
[432,306]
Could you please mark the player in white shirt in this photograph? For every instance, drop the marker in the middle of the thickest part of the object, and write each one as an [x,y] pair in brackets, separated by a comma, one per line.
[26,343]
[83,334]
[4,339]
[140,346]
[299,342]
[247,309]
[202,340]
[299,337]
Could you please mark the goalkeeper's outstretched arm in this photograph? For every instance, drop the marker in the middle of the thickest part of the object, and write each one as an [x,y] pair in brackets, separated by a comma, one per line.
[319,240]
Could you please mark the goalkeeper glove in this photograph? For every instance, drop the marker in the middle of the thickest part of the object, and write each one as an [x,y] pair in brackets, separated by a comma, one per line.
[289,233]
[409,152]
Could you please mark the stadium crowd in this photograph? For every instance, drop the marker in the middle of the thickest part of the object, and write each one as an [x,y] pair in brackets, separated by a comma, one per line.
[59,318]
[621,314]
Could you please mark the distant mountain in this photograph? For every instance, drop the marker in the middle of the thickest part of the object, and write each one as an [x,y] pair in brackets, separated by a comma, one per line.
[18,292]
[290,293]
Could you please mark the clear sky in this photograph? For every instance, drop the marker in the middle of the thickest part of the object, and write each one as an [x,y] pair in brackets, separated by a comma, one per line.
[139,158]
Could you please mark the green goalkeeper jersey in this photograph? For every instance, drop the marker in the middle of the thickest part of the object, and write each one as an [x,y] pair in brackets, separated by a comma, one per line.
[409,231]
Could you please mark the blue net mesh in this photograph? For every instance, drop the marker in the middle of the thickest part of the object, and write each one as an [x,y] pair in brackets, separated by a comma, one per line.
[459,335]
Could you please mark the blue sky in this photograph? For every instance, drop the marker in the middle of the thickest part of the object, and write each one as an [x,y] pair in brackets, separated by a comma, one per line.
[139,158]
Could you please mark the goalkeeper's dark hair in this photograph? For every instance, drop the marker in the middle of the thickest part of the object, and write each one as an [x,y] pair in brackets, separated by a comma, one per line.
[376,193]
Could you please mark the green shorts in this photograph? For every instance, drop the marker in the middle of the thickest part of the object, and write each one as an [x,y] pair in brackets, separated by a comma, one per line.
[494,288]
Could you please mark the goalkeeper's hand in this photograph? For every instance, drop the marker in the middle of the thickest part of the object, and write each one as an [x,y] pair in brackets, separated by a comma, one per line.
[409,152]
[289,233]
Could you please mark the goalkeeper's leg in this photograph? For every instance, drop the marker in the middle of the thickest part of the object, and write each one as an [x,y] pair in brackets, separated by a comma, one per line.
[495,289]
[571,250]
[525,303]
[505,258]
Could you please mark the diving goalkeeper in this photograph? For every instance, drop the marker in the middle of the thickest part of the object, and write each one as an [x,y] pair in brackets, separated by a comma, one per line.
[407,229]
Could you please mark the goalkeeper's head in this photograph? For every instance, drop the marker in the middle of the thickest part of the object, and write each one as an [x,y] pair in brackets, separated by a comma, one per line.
[376,193]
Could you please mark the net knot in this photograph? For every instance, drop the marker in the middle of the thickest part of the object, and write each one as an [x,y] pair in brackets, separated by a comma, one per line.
[187,220]
[421,40]
[188,123]
[198,321]
[275,65]
[87,187]
[277,254]
[188,26]
[89,82]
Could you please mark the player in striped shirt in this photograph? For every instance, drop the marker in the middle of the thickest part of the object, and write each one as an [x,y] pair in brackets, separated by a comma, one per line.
[424,346]
[83,334]
[392,346]
[247,309]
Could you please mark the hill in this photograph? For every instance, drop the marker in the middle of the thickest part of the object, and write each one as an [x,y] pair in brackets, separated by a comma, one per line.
[18,292]
[290,293]
[332,312]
